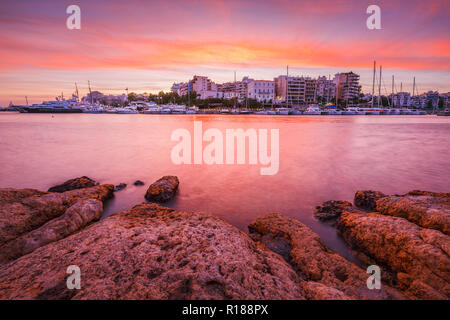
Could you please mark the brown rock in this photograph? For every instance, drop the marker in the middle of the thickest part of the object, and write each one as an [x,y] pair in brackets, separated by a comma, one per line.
[76,217]
[152,252]
[72,184]
[367,199]
[426,209]
[10,195]
[314,261]
[416,253]
[331,209]
[162,190]
[317,291]
[31,212]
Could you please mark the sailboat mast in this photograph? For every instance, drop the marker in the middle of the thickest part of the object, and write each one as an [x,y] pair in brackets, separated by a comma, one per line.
[373,82]
[379,89]
[235,90]
[287,86]
[90,92]
[76,90]
[392,93]
[414,86]
[329,87]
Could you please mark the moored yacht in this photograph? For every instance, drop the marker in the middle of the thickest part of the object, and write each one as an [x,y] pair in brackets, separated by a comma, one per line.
[313,110]
[283,111]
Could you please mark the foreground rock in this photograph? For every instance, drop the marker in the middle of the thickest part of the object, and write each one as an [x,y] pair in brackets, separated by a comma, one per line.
[329,275]
[73,219]
[72,184]
[418,257]
[162,190]
[152,252]
[330,210]
[120,186]
[426,209]
[24,210]
[367,199]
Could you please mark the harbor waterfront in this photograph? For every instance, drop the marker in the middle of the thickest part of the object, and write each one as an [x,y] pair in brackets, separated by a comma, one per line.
[321,158]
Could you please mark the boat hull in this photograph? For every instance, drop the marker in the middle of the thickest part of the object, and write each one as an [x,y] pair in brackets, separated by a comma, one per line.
[50,110]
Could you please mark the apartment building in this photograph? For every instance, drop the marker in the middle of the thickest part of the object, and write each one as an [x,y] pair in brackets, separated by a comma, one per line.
[295,91]
[261,90]
[347,86]
[325,89]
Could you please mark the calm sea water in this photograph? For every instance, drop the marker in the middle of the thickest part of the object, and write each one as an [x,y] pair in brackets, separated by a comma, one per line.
[321,158]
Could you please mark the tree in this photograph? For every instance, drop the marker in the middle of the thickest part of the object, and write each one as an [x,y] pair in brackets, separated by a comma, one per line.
[132,96]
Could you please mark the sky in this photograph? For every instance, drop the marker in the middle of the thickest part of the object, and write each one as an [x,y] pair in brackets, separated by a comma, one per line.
[147,45]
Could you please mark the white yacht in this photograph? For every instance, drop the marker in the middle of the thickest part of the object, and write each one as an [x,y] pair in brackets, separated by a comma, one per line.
[178,109]
[353,111]
[59,105]
[262,111]
[152,110]
[283,111]
[313,110]
[333,112]
[192,110]
[126,110]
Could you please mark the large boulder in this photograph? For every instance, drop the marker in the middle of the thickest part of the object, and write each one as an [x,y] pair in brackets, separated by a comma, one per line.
[367,199]
[338,278]
[418,257]
[153,252]
[23,210]
[76,217]
[426,209]
[72,184]
[162,190]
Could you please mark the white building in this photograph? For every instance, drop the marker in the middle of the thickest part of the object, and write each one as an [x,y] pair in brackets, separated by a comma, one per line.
[261,90]
[419,101]
[401,99]
[326,89]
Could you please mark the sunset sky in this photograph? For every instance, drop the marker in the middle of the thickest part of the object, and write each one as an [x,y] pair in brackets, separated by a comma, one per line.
[148,45]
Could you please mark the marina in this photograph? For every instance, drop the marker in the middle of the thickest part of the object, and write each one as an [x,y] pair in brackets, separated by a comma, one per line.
[142,107]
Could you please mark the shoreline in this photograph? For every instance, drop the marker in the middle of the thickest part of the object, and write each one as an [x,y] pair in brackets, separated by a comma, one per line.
[305,267]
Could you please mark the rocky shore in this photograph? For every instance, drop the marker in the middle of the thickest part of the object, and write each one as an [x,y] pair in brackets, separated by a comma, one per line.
[154,252]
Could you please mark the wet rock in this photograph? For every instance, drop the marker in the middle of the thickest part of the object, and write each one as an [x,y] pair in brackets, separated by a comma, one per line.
[153,252]
[317,291]
[367,199]
[32,209]
[339,278]
[120,186]
[332,209]
[162,190]
[72,184]
[138,183]
[10,195]
[417,256]
[426,209]
[76,217]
